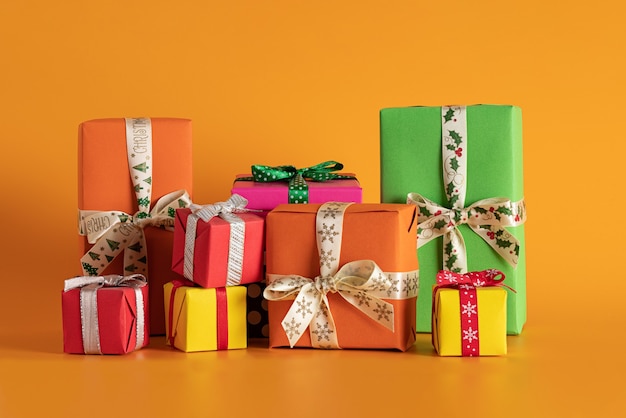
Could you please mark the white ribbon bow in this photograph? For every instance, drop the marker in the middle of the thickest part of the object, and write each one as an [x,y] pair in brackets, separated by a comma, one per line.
[361,283]
[89,306]
[227,211]
[115,231]
[486,217]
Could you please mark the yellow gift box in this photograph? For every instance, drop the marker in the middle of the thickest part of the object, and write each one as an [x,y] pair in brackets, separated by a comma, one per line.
[197,323]
[491,321]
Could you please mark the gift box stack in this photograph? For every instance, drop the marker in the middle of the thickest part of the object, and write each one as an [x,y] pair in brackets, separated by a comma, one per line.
[293,254]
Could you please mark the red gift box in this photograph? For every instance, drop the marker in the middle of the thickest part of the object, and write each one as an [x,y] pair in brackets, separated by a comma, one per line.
[117,318]
[211,252]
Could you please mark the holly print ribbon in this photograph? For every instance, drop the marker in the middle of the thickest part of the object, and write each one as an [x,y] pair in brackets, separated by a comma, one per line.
[298,188]
[227,211]
[486,217]
[89,306]
[361,283]
[114,232]
[467,284]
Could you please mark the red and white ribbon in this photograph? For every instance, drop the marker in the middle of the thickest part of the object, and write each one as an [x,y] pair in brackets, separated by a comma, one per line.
[468,305]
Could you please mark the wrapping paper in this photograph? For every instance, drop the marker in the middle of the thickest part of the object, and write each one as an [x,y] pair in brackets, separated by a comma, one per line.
[266,196]
[117,314]
[384,233]
[205,319]
[211,254]
[447,335]
[104,184]
[412,142]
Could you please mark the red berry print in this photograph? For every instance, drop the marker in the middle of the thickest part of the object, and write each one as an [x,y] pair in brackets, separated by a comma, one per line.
[491,235]
[459,152]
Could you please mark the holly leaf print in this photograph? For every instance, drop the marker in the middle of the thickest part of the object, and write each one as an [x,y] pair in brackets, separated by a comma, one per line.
[480,210]
[440,224]
[450,261]
[449,115]
[453,200]
[454,163]
[449,248]
[503,243]
[458,139]
[504,210]
[450,147]
[450,189]
[424,211]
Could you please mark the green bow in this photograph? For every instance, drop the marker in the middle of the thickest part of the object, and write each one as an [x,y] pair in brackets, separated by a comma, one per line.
[298,189]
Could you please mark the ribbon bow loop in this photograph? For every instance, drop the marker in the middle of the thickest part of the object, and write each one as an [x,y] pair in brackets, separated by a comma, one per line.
[234,204]
[298,188]
[484,278]
[361,283]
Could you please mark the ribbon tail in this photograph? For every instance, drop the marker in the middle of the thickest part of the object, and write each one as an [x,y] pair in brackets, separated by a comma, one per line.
[103,252]
[136,254]
[322,328]
[454,253]
[141,319]
[302,311]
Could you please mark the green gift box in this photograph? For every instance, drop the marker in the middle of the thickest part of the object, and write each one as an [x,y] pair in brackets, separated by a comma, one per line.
[462,166]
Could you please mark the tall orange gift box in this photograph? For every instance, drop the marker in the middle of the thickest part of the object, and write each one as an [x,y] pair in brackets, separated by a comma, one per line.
[109,185]
[368,234]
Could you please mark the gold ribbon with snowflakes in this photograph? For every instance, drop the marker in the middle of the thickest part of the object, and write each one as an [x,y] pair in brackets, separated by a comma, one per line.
[113,232]
[361,283]
[487,217]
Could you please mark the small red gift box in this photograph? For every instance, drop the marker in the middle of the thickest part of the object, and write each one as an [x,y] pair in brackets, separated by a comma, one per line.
[218,245]
[105,314]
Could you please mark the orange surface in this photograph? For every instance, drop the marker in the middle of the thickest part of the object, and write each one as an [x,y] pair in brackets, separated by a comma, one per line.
[292,82]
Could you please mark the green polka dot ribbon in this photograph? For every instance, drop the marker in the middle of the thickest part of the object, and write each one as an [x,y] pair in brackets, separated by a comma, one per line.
[298,188]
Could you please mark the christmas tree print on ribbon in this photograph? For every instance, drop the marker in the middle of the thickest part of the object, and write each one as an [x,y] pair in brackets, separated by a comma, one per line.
[487,217]
[296,177]
[114,232]
[361,283]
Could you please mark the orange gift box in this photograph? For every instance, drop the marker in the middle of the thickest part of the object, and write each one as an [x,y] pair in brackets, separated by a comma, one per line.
[384,233]
[104,184]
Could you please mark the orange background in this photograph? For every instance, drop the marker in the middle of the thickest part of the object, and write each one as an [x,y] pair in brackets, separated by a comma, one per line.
[294,82]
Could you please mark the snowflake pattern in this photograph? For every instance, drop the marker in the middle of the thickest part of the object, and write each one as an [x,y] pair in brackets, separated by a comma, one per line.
[326,258]
[383,312]
[470,335]
[322,331]
[362,298]
[303,308]
[331,211]
[379,281]
[322,311]
[393,287]
[468,309]
[328,233]
[291,328]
